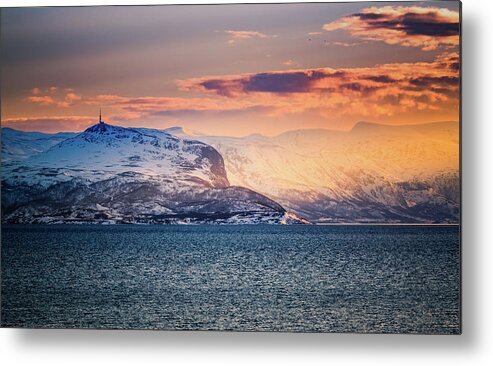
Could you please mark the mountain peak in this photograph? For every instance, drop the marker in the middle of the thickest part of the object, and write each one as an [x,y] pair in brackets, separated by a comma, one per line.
[104,128]
[115,150]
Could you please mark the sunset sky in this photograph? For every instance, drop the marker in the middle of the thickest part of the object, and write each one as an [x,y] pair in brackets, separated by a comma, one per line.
[230,69]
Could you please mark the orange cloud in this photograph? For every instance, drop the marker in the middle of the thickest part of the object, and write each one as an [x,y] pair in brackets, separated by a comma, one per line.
[291,63]
[69,99]
[41,100]
[239,35]
[386,92]
[345,44]
[64,101]
[425,27]
[139,106]
[387,89]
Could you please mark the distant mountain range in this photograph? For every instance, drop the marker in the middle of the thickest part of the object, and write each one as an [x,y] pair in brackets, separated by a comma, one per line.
[21,145]
[373,173]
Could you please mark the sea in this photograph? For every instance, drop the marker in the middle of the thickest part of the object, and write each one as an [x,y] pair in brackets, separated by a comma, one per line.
[298,278]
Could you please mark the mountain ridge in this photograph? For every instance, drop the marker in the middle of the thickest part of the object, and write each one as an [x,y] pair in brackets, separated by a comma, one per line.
[112,174]
[177,130]
[406,173]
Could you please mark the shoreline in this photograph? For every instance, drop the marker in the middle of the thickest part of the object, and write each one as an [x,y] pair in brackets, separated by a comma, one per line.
[225,224]
[382,224]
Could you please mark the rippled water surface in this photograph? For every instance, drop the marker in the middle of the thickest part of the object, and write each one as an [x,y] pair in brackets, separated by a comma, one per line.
[267,278]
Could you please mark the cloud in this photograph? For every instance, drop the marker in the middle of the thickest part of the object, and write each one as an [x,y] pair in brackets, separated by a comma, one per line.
[41,100]
[69,99]
[146,106]
[50,124]
[386,89]
[380,78]
[345,44]
[290,82]
[430,81]
[240,35]
[291,63]
[425,27]
[273,82]
[64,101]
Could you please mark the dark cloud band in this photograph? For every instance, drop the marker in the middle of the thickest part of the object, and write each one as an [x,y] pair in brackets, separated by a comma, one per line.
[425,27]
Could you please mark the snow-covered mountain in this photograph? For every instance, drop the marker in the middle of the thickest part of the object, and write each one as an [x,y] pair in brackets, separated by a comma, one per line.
[111,174]
[373,173]
[21,145]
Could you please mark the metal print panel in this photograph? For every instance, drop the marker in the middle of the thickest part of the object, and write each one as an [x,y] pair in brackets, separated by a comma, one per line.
[274,167]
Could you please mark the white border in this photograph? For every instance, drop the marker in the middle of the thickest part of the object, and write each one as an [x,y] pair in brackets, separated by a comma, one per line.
[474,347]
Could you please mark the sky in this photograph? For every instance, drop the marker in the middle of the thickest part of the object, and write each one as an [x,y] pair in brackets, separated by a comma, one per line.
[230,69]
